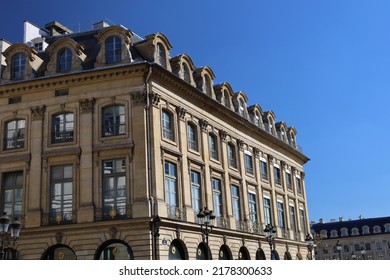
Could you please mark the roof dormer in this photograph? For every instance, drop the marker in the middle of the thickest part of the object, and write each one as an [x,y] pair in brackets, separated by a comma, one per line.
[22,62]
[204,80]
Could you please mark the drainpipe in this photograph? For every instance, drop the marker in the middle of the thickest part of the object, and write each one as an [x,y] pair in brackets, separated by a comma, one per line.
[154,223]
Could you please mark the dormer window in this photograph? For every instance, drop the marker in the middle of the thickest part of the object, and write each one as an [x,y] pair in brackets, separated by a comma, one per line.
[186,73]
[18,66]
[208,86]
[64,60]
[241,108]
[366,230]
[113,50]
[161,55]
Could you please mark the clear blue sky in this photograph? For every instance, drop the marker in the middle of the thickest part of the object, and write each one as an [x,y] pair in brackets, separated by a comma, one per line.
[321,66]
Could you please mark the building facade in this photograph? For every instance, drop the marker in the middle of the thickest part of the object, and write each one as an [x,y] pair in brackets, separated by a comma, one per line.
[110,147]
[362,239]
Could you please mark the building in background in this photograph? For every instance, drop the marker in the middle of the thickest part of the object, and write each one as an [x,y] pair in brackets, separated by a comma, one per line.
[110,147]
[365,239]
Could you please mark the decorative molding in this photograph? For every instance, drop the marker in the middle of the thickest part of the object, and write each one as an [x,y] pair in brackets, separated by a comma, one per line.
[181,112]
[154,98]
[203,124]
[240,144]
[37,113]
[87,105]
[223,135]
[113,232]
[257,152]
[59,237]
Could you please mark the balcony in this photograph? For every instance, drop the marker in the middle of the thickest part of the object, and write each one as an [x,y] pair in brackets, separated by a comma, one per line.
[57,217]
[109,213]
[176,213]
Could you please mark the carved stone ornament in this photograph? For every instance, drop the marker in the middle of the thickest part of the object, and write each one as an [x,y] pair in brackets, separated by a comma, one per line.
[203,124]
[181,112]
[37,113]
[240,144]
[59,237]
[87,105]
[223,135]
[154,98]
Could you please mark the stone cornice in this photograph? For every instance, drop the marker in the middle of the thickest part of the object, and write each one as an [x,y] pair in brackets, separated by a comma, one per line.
[222,112]
[11,88]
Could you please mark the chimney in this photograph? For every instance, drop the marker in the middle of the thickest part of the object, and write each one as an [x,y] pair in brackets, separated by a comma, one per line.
[341,219]
[321,221]
[57,29]
[100,25]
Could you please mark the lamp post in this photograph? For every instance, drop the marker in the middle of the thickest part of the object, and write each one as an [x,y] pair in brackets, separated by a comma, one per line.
[363,252]
[8,238]
[310,244]
[206,219]
[270,234]
[339,248]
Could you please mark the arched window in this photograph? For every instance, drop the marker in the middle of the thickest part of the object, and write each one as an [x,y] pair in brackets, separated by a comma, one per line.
[207,86]
[203,252]
[243,254]
[161,55]
[186,73]
[167,125]
[62,128]
[177,250]
[64,60]
[113,120]
[114,250]
[59,252]
[18,69]
[260,254]
[241,108]
[225,253]
[113,50]
[14,134]
[377,229]
[366,230]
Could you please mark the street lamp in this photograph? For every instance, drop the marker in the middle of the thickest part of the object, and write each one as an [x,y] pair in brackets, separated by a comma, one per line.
[8,238]
[339,248]
[270,234]
[206,219]
[310,244]
[363,252]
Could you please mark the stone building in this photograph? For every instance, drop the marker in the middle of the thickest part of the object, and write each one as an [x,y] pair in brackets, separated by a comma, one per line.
[110,147]
[363,239]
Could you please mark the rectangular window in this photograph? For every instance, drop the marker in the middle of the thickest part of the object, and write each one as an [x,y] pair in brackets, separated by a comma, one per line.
[195,190]
[217,197]
[62,128]
[114,120]
[232,156]
[277,176]
[61,182]
[264,170]
[267,211]
[192,137]
[14,134]
[12,194]
[14,100]
[252,208]
[114,188]
[167,126]
[281,222]
[213,147]
[289,180]
[170,184]
[299,185]
[302,220]
[248,163]
[236,203]
[61,92]
[292,218]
